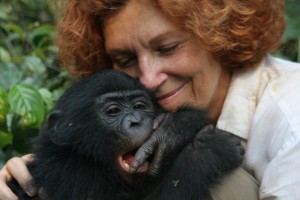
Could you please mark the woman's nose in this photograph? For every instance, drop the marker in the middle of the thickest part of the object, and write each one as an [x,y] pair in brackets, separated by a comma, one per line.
[151,73]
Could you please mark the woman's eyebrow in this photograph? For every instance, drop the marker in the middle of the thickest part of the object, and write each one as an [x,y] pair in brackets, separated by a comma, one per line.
[157,39]
[117,51]
[164,36]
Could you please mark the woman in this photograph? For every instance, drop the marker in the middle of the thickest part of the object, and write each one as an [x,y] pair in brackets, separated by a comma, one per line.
[210,54]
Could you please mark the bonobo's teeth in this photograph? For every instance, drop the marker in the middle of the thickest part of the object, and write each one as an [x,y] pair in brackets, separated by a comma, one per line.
[123,164]
[125,160]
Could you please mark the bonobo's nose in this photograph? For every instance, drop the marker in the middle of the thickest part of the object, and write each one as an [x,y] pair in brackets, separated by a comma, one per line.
[132,121]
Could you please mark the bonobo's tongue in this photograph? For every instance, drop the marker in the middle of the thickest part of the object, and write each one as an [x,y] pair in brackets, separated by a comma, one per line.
[126,159]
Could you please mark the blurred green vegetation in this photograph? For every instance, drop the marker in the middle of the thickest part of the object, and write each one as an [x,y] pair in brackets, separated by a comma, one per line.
[291,39]
[30,79]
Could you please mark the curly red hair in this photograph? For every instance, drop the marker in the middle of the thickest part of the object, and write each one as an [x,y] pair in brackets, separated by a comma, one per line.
[238,32]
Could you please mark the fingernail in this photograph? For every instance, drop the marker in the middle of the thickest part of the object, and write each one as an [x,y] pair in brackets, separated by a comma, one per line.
[31,190]
[131,170]
[42,194]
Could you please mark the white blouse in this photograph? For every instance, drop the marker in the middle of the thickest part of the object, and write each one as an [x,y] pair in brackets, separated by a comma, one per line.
[263,107]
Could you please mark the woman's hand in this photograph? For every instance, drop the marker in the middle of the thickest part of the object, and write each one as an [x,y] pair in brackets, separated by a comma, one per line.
[16,168]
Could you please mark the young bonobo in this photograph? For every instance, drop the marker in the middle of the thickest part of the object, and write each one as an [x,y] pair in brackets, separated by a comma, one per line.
[107,138]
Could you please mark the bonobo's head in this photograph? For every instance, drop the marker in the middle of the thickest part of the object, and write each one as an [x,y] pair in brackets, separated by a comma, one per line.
[104,117]
[129,118]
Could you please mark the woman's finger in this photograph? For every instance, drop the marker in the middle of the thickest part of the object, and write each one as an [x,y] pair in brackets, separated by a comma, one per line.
[5,192]
[17,168]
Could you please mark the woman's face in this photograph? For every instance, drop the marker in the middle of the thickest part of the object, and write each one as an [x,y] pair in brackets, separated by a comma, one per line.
[173,63]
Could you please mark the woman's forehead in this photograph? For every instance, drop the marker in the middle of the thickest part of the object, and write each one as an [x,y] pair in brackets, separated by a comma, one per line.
[139,20]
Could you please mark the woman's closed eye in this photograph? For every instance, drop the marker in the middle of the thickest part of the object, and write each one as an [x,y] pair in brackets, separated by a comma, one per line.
[124,61]
[168,49]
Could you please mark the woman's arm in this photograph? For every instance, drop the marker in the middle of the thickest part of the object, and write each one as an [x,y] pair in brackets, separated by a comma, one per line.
[16,168]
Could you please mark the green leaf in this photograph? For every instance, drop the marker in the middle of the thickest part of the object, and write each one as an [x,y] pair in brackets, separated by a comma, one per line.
[44,29]
[4,55]
[10,75]
[35,64]
[48,98]
[5,139]
[16,31]
[27,102]
[3,12]
[4,106]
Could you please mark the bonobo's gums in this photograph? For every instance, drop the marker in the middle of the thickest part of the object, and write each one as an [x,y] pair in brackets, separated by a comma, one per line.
[107,138]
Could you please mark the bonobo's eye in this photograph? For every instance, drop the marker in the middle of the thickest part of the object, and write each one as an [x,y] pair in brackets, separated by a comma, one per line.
[139,105]
[113,110]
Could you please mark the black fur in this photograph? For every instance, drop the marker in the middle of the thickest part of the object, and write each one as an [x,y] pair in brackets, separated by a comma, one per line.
[76,152]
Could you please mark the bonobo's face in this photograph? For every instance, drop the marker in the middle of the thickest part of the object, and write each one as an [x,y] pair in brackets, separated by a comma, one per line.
[130,117]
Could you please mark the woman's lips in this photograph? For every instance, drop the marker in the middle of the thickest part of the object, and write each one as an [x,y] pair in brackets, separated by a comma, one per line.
[167,97]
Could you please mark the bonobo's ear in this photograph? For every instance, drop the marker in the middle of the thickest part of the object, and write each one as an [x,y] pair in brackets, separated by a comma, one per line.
[52,118]
[51,127]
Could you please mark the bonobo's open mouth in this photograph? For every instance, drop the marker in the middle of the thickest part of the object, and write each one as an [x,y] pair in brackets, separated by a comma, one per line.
[127,158]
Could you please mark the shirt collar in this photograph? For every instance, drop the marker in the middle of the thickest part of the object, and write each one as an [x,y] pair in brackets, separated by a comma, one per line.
[241,100]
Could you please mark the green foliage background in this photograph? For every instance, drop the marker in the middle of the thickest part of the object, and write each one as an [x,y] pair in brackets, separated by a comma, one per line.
[30,79]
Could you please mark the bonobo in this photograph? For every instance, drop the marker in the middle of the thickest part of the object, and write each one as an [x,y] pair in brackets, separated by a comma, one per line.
[108,138]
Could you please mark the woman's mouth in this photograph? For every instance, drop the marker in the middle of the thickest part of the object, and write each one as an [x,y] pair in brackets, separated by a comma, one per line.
[168,97]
